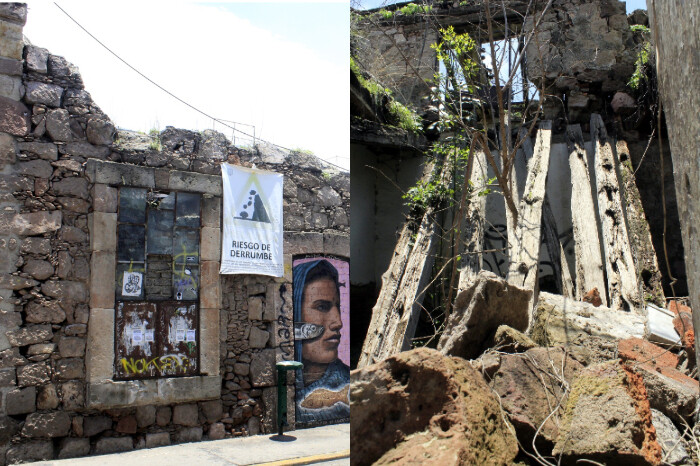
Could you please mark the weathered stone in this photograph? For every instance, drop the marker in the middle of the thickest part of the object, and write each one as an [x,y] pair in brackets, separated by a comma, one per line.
[255,308]
[216,431]
[672,442]
[41,348]
[127,425]
[188,434]
[14,117]
[73,186]
[158,439]
[41,93]
[72,368]
[479,309]
[13,282]
[33,223]
[186,415]
[36,246]
[71,347]
[44,311]
[76,291]
[145,416]
[253,426]
[509,340]
[8,378]
[41,270]
[43,150]
[212,410]
[214,146]
[262,368]
[30,335]
[104,198]
[73,235]
[163,415]
[96,424]
[10,67]
[75,329]
[8,150]
[241,368]
[11,86]
[195,182]
[100,131]
[455,420]
[47,398]
[120,174]
[113,445]
[35,58]
[33,374]
[329,197]
[58,125]
[87,150]
[668,390]
[532,395]
[54,424]
[607,419]
[35,450]
[623,103]
[39,168]
[72,394]
[258,338]
[74,447]
[11,358]
[8,428]
[14,12]
[21,401]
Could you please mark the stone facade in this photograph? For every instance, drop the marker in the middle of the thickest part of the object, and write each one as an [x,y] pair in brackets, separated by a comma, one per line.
[62,163]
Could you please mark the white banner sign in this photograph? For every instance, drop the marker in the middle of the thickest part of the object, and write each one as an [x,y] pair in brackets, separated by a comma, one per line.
[253,227]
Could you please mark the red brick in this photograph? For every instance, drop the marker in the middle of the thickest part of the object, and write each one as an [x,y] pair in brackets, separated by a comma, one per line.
[636,349]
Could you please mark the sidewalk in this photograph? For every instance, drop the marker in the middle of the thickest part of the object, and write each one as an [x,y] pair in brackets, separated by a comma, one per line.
[327,445]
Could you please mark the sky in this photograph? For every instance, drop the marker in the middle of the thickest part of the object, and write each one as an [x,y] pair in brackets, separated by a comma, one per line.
[280,66]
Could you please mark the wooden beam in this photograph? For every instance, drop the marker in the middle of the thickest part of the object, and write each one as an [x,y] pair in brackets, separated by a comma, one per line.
[589,258]
[472,241]
[523,267]
[623,287]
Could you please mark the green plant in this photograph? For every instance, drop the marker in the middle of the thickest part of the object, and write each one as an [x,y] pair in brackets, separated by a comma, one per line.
[386,14]
[412,9]
[427,193]
[405,117]
[640,28]
[639,74]
[326,176]
[303,151]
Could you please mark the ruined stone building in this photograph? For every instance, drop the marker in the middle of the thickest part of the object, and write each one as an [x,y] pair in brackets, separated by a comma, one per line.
[93,360]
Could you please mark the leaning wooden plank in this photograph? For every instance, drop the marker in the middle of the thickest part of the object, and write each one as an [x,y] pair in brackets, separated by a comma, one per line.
[385,315]
[647,266]
[589,259]
[523,268]
[557,256]
[409,300]
[623,286]
[472,240]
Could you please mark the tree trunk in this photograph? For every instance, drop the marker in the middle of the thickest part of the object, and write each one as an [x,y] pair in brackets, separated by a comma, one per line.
[674,24]
[589,259]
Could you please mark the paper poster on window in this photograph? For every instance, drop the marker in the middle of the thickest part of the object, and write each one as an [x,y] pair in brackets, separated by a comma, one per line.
[136,336]
[253,227]
[131,284]
[180,334]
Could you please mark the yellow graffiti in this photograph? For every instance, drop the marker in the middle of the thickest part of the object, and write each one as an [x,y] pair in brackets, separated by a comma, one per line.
[167,363]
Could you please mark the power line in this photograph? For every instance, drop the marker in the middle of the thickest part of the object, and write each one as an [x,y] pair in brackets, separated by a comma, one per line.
[170,93]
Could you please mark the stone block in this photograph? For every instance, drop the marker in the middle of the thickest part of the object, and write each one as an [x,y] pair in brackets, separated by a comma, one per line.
[104,198]
[21,401]
[35,450]
[58,289]
[163,415]
[210,247]
[33,374]
[113,445]
[158,439]
[8,149]
[71,347]
[99,361]
[103,231]
[303,243]
[119,174]
[14,12]
[70,368]
[241,368]
[13,282]
[43,150]
[35,58]
[262,368]
[11,87]
[53,424]
[209,341]
[186,415]
[212,410]
[189,388]
[211,212]
[10,358]
[11,44]
[337,244]
[8,378]
[39,269]
[36,246]
[100,131]
[32,223]
[8,428]
[74,447]
[39,168]
[195,182]
[41,348]
[30,335]
[216,431]
[87,150]
[14,117]
[73,186]
[47,398]
[127,425]
[72,394]
[73,235]
[95,425]
[45,94]
[258,338]
[255,308]
[102,279]
[58,125]
[210,286]
[188,434]
[145,416]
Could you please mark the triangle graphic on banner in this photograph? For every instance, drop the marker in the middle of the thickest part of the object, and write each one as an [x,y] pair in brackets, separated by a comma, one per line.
[252,202]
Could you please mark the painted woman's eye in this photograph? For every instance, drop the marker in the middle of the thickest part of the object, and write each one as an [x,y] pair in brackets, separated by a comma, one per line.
[324,306]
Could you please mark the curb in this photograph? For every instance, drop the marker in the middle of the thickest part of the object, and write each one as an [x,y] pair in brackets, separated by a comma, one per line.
[308,459]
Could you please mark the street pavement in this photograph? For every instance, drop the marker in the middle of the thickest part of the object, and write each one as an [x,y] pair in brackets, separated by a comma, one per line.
[327,446]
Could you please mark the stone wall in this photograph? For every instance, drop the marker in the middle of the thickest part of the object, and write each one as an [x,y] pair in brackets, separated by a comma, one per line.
[61,164]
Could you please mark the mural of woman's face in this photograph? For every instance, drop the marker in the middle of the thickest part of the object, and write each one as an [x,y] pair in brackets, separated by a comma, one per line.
[321,306]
